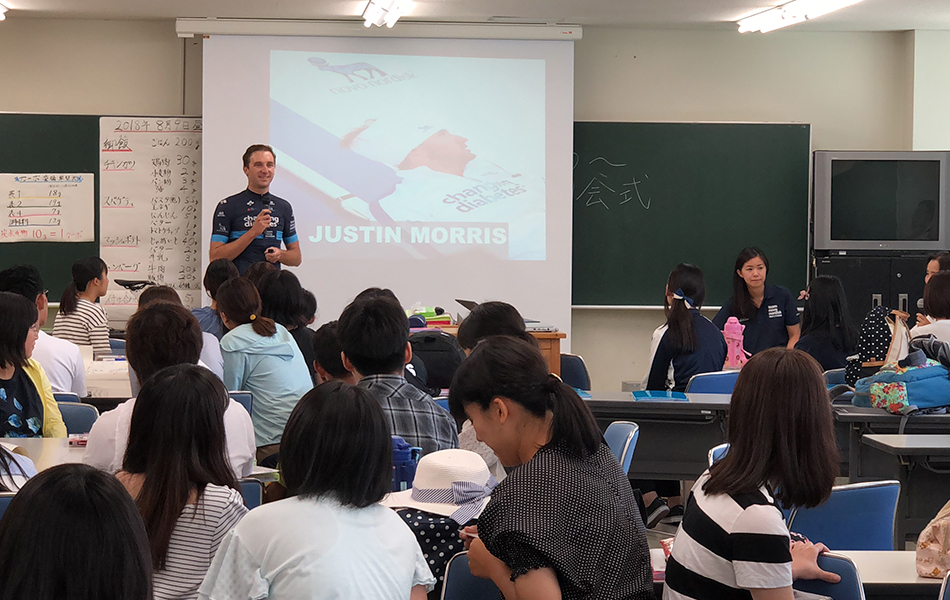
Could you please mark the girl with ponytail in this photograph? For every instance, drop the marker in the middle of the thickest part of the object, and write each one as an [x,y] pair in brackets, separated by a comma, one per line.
[80,319]
[689,341]
[567,487]
[260,357]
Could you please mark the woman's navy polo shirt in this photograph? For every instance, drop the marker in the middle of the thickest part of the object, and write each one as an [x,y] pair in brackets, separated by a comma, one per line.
[768,328]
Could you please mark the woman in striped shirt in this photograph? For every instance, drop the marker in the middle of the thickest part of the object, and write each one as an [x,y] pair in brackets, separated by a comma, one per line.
[80,320]
[176,467]
[733,542]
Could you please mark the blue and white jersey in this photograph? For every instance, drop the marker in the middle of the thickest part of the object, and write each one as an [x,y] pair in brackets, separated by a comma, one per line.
[234,216]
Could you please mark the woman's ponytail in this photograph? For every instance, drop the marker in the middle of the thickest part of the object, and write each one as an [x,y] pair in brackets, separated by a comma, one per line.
[263,326]
[690,292]
[573,425]
[68,301]
[84,270]
[240,302]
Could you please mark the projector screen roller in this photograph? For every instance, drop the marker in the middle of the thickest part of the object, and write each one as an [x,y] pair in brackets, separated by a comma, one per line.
[439,168]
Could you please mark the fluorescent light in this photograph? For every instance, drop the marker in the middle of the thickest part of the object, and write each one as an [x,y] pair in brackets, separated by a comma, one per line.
[385,12]
[791,13]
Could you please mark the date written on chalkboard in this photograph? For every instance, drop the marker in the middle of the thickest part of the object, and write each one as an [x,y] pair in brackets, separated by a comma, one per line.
[607,183]
[160,125]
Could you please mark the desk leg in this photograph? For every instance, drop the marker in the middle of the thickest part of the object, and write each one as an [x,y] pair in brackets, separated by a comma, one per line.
[854,453]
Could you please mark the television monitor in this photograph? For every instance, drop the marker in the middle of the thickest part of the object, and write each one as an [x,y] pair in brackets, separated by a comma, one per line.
[883,201]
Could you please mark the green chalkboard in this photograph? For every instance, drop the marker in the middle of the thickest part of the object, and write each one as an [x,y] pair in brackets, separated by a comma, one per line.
[50,144]
[650,195]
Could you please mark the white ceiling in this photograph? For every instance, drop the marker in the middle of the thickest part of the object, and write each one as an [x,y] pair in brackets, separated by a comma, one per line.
[869,15]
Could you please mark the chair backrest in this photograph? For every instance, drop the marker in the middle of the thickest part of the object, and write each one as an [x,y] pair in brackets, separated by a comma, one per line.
[77,416]
[244,399]
[252,490]
[717,452]
[66,397]
[835,377]
[944,590]
[117,346]
[857,516]
[574,372]
[719,382]
[621,438]
[460,584]
[443,402]
[5,498]
[850,586]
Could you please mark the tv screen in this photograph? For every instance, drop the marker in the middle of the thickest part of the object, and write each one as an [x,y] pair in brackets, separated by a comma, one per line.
[887,200]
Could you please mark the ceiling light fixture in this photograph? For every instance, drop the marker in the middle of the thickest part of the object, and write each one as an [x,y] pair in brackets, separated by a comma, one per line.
[3,9]
[796,11]
[385,12]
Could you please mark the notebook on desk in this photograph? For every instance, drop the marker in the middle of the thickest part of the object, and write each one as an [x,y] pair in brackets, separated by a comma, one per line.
[657,396]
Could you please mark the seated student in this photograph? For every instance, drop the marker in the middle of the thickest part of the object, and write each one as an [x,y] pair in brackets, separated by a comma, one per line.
[257,271]
[79,319]
[282,300]
[210,347]
[327,362]
[27,405]
[176,467]
[535,540]
[937,307]
[331,538]
[309,306]
[485,320]
[73,532]
[690,343]
[432,504]
[767,311]
[157,336]
[260,357]
[827,332]
[374,335]
[733,541]
[218,272]
[61,360]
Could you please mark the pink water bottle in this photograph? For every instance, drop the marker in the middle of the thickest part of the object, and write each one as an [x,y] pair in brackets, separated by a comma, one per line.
[736,356]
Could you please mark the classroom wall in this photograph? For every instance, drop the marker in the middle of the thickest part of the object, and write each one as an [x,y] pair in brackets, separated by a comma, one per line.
[90,67]
[856,89]
[931,90]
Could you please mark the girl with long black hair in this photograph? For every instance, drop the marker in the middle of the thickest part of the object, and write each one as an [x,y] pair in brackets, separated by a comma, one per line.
[827,332]
[80,319]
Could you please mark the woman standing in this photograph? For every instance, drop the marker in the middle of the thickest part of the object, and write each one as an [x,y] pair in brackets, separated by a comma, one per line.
[767,311]
[534,540]
[80,320]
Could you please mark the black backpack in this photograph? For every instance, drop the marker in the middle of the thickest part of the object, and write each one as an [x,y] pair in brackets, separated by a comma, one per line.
[441,354]
[874,343]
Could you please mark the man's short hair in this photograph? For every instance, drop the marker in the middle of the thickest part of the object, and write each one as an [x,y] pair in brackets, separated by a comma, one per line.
[159,335]
[257,148]
[373,335]
[326,350]
[24,280]
[159,293]
[218,272]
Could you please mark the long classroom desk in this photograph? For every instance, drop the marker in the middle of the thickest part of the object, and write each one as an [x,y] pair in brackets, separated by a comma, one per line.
[857,422]
[675,436]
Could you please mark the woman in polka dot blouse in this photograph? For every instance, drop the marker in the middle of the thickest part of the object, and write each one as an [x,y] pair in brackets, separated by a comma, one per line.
[564,524]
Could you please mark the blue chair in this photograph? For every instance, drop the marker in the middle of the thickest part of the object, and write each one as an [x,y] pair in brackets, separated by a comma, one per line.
[77,416]
[857,516]
[944,589]
[834,377]
[717,452]
[460,584]
[66,397]
[720,382]
[621,438]
[252,490]
[117,347]
[850,586]
[244,399]
[5,498]
[443,402]
[574,372]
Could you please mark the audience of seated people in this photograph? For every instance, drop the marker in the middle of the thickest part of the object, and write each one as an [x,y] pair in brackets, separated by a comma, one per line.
[218,272]
[176,467]
[260,357]
[61,359]
[282,301]
[327,359]
[79,319]
[27,405]
[160,335]
[374,335]
[210,347]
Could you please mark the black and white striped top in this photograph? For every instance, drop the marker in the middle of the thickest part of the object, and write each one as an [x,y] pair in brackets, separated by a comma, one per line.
[196,538]
[88,325]
[726,545]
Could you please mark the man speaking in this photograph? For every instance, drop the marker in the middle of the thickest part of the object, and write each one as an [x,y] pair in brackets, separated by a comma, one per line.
[249,227]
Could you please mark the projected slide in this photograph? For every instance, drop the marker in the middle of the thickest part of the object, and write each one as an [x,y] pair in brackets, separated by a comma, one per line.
[389,156]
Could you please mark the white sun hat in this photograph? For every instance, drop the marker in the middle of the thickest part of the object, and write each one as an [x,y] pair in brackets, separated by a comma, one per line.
[452,483]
